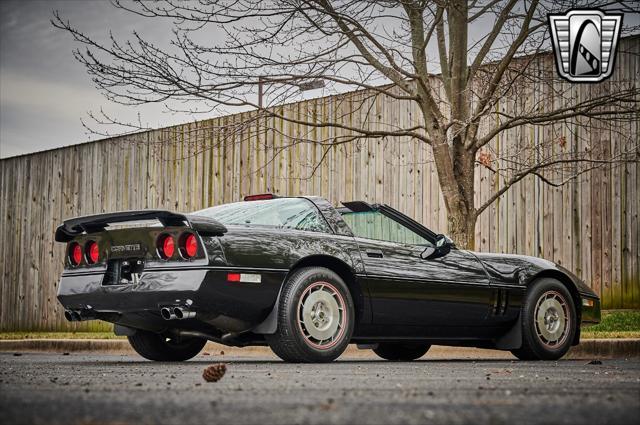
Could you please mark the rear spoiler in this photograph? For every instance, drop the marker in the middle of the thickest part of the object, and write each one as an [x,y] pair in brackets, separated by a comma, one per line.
[205,226]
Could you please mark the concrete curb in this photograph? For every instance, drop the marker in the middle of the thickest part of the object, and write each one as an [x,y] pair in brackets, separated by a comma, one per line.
[588,348]
[64,345]
[607,348]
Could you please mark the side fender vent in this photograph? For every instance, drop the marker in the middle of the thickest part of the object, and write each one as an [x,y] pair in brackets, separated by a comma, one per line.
[500,302]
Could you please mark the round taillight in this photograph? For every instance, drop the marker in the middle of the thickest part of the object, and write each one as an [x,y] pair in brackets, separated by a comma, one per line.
[75,253]
[190,246]
[166,247]
[92,251]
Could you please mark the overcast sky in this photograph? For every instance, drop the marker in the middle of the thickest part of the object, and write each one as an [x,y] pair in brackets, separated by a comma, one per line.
[45,92]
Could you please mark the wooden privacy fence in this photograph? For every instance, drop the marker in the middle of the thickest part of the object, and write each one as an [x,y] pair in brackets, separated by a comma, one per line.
[590,225]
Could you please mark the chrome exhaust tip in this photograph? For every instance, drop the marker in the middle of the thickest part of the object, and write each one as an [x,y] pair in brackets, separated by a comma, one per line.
[69,315]
[167,314]
[72,316]
[80,315]
[183,313]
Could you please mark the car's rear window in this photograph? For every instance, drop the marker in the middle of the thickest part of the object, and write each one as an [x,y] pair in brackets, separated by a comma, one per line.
[283,213]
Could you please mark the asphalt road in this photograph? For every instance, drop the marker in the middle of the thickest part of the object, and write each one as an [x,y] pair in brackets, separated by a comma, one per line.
[118,389]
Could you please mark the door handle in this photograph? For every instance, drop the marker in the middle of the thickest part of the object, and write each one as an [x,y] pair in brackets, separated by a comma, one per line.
[374,253]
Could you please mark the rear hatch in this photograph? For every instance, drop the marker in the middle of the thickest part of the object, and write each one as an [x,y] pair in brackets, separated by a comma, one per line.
[124,245]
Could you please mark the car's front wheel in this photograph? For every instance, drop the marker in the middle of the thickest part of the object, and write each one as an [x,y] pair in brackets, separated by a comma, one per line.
[315,317]
[549,321]
[402,352]
[156,347]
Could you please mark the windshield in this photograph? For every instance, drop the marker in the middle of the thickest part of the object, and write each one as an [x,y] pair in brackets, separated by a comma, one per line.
[282,213]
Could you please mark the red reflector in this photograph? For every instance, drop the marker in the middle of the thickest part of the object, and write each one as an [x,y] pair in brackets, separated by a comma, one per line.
[75,254]
[93,252]
[191,245]
[260,197]
[233,277]
[167,247]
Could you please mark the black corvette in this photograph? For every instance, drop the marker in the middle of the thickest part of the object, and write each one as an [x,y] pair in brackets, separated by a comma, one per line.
[307,279]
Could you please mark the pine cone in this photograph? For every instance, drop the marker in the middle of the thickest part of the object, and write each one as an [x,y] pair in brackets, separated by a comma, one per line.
[214,372]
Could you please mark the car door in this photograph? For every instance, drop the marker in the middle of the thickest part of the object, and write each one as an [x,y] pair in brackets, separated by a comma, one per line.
[405,289]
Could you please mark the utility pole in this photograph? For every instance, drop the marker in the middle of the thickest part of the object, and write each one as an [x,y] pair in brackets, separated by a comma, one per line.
[260,94]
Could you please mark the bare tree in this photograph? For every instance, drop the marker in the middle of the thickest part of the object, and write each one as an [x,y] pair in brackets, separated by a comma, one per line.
[381,47]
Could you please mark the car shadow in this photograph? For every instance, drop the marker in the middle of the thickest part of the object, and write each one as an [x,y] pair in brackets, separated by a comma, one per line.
[337,363]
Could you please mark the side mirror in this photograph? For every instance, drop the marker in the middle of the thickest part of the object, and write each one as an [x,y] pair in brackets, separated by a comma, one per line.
[442,248]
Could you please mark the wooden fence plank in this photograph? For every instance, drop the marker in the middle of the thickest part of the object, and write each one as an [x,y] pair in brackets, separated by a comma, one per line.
[591,225]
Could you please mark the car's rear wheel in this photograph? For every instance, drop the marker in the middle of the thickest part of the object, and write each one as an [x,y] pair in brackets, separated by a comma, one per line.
[315,317]
[549,321]
[157,347]
[402,352]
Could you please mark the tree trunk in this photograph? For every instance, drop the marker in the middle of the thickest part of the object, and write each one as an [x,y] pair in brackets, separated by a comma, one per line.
[456,175]
[462,220]
[462,228]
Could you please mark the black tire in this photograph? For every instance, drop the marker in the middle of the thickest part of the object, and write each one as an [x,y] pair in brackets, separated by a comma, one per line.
[156,347]
[534,346]
[292,342]
[401,352]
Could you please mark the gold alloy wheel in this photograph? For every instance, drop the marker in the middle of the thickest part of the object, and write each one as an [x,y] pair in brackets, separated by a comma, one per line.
[552,319]
[322,315]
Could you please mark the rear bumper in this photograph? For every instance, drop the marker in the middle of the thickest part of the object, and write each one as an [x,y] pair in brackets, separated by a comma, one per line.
[228,306]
